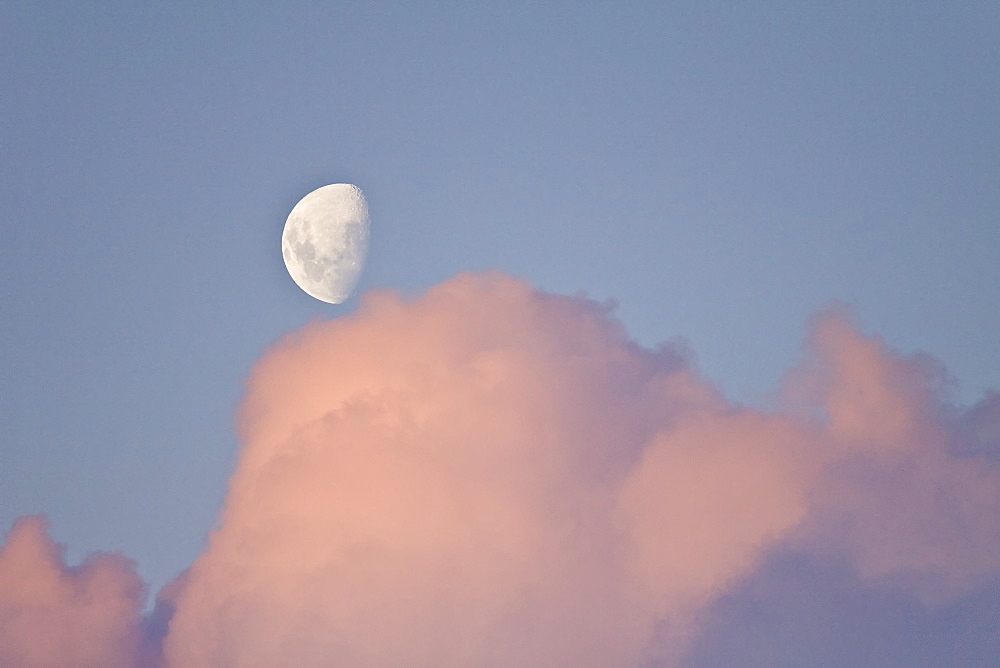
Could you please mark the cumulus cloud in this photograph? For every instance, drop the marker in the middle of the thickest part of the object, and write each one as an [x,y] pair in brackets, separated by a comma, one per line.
[892,497]
[492,475]
[52,615]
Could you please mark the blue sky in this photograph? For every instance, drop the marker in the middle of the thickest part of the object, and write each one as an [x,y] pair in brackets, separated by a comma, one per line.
[721,172]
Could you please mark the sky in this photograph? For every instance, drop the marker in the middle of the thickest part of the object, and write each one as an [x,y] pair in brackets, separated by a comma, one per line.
[743,254]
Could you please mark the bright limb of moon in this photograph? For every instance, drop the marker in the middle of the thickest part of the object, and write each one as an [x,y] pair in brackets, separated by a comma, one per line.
[325,241]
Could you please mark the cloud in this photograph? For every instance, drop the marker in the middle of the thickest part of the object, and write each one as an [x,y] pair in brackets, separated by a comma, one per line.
[493,475]
[51,615]
[892,497]
[803,610]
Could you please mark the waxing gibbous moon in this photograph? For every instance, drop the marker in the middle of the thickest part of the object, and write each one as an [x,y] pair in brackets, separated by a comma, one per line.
[325,241]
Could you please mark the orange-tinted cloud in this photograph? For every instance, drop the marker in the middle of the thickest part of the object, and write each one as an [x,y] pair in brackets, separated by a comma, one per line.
[492,475]
[892,496]
[51,615]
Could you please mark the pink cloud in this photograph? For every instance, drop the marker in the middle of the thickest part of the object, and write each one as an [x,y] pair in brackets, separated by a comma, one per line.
[892,497]
[51,615]
[493,475]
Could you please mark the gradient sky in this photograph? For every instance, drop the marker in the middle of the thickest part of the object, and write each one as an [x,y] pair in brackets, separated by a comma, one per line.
[722,173]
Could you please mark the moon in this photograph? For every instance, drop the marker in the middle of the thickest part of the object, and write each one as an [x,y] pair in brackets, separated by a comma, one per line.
[325,241]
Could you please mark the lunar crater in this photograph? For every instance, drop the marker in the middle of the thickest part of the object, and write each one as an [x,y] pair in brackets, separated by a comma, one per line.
[325,241]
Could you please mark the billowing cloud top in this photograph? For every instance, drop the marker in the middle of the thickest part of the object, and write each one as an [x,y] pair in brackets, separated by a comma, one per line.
[491,475]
